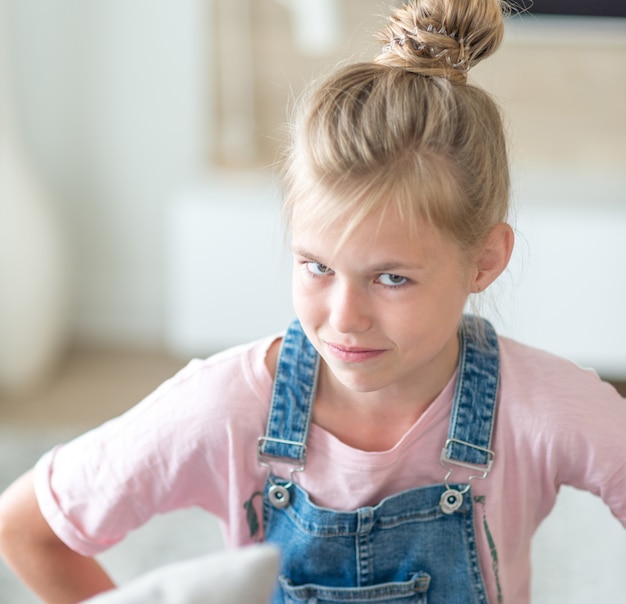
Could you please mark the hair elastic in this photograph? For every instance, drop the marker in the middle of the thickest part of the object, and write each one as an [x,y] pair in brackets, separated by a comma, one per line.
[462,64]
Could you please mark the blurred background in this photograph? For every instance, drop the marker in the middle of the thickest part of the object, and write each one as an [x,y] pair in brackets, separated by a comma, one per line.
[139,221]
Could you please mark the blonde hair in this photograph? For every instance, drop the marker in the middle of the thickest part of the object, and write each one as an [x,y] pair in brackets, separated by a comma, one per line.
[406,129]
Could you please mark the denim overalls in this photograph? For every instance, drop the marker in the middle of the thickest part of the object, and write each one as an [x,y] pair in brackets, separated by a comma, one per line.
[414,546]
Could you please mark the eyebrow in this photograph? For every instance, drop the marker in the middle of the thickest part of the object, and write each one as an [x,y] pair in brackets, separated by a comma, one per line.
[301,252]
[387,267]
[397,266]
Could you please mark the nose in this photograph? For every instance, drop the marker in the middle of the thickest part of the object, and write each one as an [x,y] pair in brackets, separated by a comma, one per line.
[349,309]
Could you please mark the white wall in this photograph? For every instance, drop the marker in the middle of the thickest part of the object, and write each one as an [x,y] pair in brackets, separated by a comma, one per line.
[114,102]
[115,98]
[565,287]
[229,274]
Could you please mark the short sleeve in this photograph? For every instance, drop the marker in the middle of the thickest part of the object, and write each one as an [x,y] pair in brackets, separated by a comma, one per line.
[173,450]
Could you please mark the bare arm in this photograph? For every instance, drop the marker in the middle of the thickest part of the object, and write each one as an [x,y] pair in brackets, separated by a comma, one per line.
[57,574]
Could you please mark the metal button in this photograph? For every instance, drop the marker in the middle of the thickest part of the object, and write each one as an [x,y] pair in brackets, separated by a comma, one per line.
[279,496]
[450,501]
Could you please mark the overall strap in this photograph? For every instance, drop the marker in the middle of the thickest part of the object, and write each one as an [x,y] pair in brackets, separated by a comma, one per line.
[473,412]
[292,399]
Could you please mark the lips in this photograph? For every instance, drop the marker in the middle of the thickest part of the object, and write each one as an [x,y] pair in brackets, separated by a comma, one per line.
[353,354]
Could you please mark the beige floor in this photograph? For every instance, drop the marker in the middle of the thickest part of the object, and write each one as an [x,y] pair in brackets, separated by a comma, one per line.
[89,387]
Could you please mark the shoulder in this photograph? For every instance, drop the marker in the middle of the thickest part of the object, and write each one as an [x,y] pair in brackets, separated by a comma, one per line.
[536,372]
[244,369]
[211,401]
[200,405]
[552,401]
[541,389]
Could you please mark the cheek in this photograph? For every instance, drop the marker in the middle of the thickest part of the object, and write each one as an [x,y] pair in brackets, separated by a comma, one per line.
[297,300]
[301,297]
[454,287]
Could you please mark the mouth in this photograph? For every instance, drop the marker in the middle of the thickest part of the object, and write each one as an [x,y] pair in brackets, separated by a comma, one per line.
[353,354]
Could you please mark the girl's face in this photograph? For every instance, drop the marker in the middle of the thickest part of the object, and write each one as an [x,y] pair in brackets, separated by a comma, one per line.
[383,305]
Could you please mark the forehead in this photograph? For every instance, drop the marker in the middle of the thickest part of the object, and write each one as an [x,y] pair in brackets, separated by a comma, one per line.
[341,209]
[381,237]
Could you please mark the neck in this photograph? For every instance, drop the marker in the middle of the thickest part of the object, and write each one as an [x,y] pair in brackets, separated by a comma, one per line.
[372,421]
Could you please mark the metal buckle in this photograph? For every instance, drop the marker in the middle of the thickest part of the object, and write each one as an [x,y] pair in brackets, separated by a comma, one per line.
[265,458]
[279,493]
[483,469]
[486,468]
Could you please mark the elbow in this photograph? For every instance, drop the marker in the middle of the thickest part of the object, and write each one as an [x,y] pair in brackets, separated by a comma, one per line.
[20,517]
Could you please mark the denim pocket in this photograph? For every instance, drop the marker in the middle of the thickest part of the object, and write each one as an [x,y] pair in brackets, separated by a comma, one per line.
[413,591]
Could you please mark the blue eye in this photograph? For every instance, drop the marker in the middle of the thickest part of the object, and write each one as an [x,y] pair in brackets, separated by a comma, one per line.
[315,268]
[390,280]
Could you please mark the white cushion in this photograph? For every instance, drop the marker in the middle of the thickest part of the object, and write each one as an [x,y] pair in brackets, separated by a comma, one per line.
[246,575]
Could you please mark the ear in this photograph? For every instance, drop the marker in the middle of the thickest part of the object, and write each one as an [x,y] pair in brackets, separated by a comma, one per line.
[493,257]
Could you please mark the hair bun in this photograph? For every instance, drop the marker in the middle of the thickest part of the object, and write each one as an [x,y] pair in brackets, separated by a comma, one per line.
[442,38]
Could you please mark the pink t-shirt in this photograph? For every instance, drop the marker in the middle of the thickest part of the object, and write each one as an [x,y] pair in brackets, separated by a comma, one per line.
[193,443]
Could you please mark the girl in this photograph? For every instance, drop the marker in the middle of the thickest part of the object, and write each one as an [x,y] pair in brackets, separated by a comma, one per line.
[395,449]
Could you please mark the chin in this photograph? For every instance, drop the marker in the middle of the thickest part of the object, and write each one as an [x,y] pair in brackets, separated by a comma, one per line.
[363,384]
